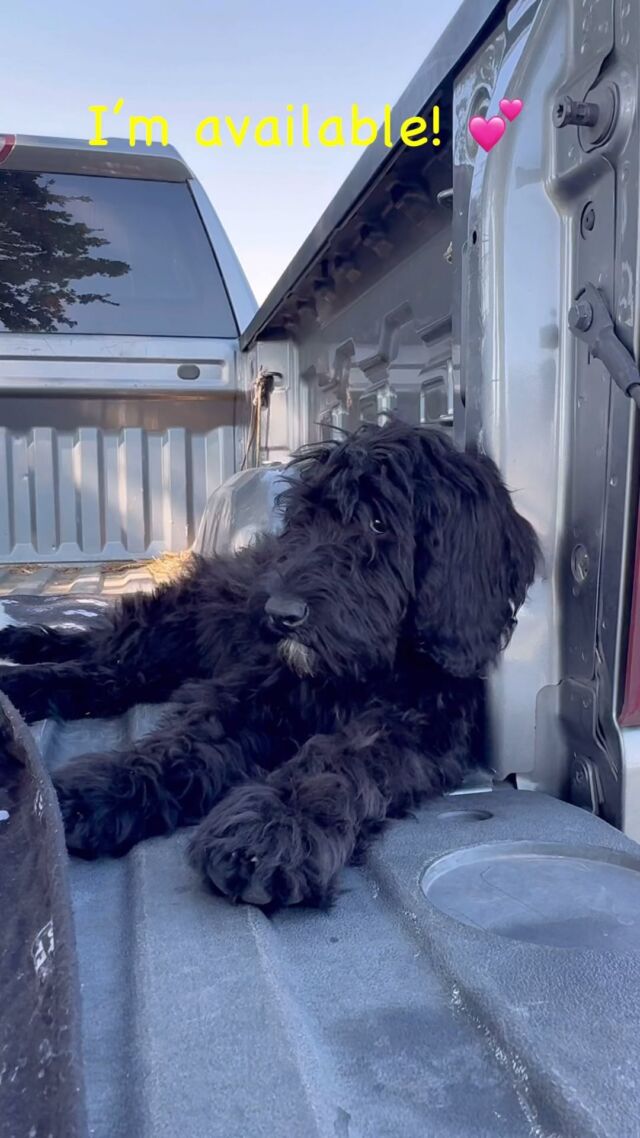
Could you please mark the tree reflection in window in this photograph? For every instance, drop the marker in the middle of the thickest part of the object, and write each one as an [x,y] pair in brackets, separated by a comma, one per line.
[44,253]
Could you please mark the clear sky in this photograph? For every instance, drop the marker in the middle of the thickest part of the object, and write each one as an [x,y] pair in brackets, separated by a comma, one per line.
[190,59]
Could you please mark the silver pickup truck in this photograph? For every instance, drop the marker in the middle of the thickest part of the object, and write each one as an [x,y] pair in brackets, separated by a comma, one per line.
[480,975]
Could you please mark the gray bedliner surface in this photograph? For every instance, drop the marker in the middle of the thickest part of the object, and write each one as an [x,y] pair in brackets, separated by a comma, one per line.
[384,1018]
[495,993]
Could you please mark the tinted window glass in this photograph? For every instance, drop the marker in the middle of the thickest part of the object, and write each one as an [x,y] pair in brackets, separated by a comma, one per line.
[111,256]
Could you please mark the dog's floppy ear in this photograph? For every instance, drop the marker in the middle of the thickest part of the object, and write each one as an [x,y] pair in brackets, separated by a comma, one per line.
[475,558]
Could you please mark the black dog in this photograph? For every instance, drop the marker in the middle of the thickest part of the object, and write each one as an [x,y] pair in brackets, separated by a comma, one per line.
[320,682]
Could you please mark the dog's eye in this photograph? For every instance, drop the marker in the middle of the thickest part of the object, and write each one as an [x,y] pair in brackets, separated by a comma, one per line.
[377,526]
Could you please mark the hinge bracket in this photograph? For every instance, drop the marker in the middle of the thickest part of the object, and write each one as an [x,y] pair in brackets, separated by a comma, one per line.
[591,321]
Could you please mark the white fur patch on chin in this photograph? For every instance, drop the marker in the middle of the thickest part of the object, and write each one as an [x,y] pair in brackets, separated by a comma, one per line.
[9,663]
[298,657]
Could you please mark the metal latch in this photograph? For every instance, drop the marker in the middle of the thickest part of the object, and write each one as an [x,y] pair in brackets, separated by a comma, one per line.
[591,321]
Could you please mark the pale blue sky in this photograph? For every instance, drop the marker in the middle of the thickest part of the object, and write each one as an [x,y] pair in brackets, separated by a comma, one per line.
[189,59]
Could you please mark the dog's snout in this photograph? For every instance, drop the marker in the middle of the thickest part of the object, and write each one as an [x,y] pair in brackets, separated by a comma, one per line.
[286,612]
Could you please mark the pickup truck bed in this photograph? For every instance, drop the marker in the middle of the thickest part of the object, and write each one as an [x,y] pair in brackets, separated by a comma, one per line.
[480,975]
[506,1002]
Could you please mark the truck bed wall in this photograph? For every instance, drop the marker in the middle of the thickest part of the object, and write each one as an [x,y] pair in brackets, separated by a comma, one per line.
[450,308]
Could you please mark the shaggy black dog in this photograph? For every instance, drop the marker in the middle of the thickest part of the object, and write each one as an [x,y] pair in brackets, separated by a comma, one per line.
[320,682]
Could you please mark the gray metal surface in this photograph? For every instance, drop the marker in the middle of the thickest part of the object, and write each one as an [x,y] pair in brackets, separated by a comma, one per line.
[101,473]
[506,235]
[558,427]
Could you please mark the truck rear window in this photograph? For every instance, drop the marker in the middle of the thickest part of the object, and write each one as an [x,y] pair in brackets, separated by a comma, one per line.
[106,256]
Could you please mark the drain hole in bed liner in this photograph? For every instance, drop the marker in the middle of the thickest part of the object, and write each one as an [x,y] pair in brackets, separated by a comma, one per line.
[544,893]
[465,815]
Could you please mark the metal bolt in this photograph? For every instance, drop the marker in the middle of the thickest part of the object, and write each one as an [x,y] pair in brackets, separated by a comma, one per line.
[580,564]
[581,316]
[588,219]
[569,112]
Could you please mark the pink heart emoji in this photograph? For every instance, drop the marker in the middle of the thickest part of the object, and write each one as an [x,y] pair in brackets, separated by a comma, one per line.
[511,108]
[487,133]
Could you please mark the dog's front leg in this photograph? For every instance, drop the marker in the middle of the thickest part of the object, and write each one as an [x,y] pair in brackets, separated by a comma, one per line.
[285,840]
[29,644]
[76,689]
[170,778]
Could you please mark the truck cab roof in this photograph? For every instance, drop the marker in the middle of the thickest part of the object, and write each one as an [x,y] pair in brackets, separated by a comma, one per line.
[78,156]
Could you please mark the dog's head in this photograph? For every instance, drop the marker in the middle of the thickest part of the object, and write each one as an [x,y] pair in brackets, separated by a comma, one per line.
[392,535]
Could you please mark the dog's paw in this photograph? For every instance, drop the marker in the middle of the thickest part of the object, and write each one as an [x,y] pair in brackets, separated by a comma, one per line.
[255,846]
[28,689]
[102,807]
[12,681]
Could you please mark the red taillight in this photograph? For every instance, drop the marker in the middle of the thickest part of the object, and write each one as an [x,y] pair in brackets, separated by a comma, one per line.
[630,714]
[7,143]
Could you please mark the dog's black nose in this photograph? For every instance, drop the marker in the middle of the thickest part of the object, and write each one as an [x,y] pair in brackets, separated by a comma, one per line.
[286,612]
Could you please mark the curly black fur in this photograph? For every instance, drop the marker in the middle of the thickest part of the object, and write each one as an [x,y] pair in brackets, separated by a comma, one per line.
[322,681]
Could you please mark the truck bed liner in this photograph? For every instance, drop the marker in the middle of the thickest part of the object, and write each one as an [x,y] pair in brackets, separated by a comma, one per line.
[383,1018]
